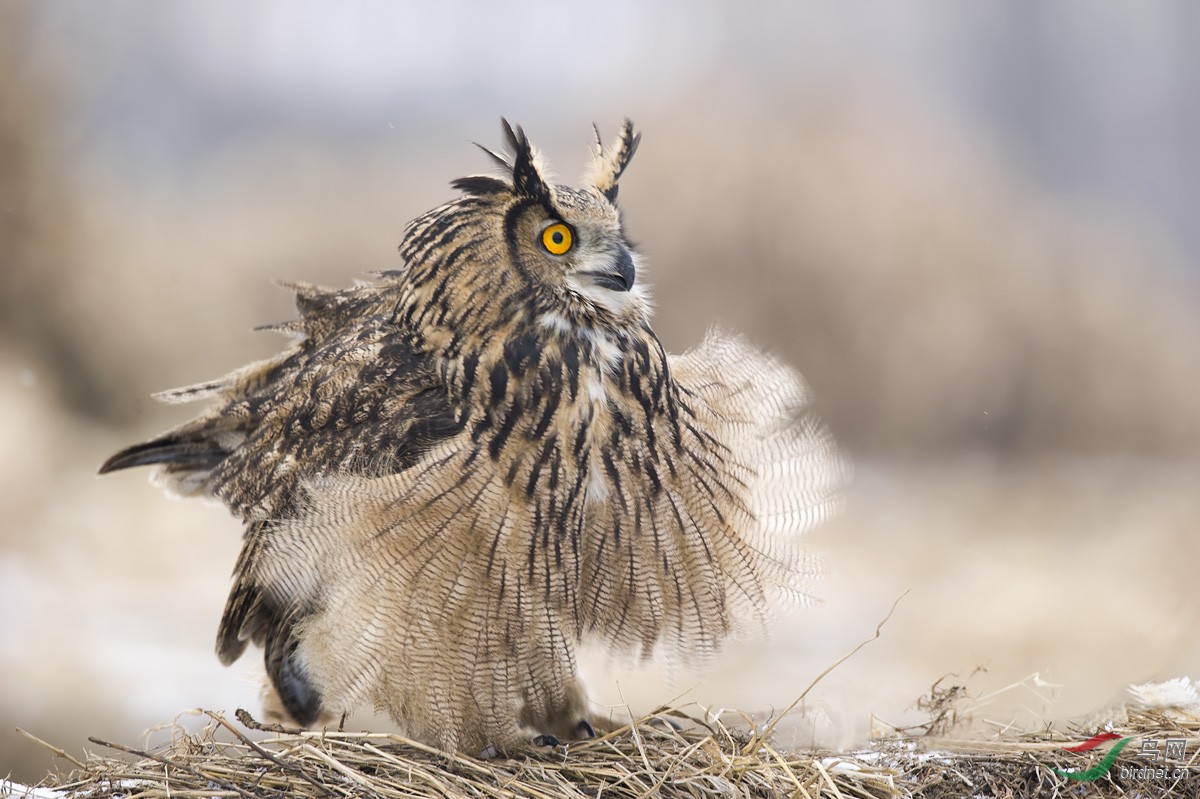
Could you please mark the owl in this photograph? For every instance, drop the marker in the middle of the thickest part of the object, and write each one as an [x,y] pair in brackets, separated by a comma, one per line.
[465,467]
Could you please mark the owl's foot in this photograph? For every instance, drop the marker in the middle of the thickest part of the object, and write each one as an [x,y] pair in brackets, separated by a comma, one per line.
[276,713]
[583,731]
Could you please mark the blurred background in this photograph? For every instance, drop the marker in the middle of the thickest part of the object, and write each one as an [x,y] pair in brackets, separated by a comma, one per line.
[972,226]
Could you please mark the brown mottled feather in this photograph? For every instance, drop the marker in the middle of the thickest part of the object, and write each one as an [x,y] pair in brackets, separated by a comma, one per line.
[466,467]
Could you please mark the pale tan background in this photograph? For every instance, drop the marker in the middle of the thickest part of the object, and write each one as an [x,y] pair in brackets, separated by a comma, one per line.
[971,225]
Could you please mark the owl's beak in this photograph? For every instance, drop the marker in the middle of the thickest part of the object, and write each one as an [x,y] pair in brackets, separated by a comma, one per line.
[622,275]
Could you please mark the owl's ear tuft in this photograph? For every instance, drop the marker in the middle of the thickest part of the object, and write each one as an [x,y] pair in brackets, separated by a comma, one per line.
[608,165]
[481,185]
[526,169]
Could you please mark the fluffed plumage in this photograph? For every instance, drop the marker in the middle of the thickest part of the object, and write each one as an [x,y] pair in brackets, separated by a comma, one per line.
[469,465]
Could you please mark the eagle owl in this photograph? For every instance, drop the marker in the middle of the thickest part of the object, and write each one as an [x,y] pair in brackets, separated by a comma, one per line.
[465,467]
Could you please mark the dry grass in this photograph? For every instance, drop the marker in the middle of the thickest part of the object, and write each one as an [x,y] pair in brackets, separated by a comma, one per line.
[668,753]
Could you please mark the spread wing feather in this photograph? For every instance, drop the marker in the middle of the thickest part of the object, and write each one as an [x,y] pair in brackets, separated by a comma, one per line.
[708,545]
[466,618]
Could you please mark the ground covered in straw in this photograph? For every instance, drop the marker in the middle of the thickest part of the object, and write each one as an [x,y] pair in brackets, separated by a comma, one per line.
[669,753]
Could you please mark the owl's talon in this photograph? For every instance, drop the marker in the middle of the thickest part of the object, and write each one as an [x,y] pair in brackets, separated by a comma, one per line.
[584,731]
[546,740]
[489,752]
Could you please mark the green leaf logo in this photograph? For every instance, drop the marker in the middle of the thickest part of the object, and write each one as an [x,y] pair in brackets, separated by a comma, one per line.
[1100,769]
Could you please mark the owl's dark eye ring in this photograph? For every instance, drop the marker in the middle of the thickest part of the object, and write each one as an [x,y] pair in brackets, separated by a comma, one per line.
[558,238]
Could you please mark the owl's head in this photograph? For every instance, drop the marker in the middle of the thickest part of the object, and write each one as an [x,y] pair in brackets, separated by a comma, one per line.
[521,248]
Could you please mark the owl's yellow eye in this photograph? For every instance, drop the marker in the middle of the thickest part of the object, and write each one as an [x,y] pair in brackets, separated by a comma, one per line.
[557,238]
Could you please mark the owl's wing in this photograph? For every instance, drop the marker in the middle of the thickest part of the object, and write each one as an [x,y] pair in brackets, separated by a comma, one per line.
[700,538]
[352,396]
